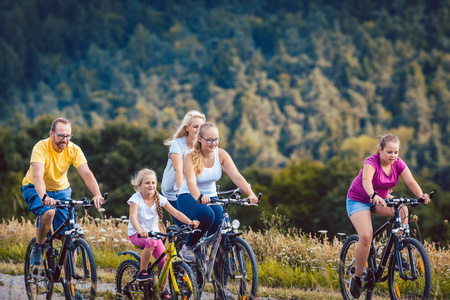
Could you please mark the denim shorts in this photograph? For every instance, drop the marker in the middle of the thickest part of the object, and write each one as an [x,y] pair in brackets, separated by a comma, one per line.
[34,204]
[356,206]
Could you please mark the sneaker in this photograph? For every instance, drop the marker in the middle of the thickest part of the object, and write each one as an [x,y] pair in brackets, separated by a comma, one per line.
[78,295]
[355,287]
[143,276]
[165,295]
[36,254]
[187,253]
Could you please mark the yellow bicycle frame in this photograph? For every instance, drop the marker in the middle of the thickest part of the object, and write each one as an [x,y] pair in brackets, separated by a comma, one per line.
[168,266]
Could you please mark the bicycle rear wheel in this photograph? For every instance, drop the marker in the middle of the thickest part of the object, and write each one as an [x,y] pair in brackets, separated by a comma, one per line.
[415,283]
[185,280]
[81,271]
[38,279]
[236,271]
[347,268]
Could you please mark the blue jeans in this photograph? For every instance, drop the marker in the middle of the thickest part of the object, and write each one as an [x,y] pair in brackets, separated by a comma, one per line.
[208,216]
[34,204]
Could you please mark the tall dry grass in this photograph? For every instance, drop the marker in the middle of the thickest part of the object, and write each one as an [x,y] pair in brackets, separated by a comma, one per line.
[287,257]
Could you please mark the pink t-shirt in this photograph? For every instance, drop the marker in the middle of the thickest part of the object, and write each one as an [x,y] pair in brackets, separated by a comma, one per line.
[382,183]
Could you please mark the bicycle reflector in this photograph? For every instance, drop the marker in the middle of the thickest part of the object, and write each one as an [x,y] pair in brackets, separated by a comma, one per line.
[235,224]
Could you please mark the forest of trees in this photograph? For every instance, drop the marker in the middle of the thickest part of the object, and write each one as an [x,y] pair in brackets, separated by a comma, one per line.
[299,90]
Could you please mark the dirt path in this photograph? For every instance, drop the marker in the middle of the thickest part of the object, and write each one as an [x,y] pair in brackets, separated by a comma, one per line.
[12,287]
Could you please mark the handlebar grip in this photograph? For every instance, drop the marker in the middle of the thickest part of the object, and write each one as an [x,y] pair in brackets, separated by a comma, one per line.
[259,197]
[105,195]
[150,234]
[431,194]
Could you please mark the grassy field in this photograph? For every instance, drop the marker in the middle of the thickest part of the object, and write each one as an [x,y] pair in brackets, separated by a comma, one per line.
[291,264]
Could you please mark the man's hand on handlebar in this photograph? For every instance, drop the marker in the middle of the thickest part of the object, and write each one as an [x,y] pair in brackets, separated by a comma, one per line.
[98,201]
[47,201]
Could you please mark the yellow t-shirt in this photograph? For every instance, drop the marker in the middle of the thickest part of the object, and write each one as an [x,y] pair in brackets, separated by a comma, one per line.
[56,164]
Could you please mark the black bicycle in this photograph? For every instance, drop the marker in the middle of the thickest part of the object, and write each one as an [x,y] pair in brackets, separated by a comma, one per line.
[409,271]
[75,256]
[223,258]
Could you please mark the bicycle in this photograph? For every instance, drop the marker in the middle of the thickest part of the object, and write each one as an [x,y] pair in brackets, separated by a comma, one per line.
[230,257]
[409,270]
[182,281]
[80,280]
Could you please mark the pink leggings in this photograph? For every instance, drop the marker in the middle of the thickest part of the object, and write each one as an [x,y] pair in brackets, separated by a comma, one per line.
[149,243]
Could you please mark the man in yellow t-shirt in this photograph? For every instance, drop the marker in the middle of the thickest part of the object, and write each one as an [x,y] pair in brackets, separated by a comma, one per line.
[46,181]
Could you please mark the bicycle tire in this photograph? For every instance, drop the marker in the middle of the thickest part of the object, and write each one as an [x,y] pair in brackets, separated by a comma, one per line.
[126,288]
[236,271]
[416,259]
[347,268]
[38,279]
[83,283]
[186,282]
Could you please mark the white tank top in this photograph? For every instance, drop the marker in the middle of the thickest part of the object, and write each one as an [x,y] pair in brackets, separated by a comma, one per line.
[206,181]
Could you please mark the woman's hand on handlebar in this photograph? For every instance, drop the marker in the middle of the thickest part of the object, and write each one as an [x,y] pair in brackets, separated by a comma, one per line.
[195,223]
[205,199]
[253,199]
[377,200]
[426,198]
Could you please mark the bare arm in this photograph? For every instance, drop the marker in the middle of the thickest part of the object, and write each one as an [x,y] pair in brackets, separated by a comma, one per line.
[368,172]
[134,221]
[39,183]
[230,168]
[177,162]
[412,184]
[91,183]
[180,216]
[189,175]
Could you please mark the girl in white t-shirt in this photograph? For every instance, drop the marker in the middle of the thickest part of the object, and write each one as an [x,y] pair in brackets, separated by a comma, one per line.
[145,216]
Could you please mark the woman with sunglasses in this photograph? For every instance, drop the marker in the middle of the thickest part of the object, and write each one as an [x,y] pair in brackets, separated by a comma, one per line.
[202,168]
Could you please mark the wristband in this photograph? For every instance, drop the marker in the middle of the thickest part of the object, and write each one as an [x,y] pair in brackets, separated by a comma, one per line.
[45,196]
[371,196]
[199,200]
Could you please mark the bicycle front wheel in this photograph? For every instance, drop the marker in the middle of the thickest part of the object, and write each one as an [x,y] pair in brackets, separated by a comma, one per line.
[236,271]
[415,283]
[126,285]
[185,280]
[81,271]
[38,279]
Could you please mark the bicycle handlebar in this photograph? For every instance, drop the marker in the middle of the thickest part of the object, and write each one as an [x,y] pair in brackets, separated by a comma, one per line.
[403,200]
[234,197]
[182,230]
[84,202]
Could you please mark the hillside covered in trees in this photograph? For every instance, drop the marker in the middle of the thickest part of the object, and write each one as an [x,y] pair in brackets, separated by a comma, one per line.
[289,83]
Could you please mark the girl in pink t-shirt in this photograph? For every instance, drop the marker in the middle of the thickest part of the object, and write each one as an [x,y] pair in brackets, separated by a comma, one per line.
[380,173]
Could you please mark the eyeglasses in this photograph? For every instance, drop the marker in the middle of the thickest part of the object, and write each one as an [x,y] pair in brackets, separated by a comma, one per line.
[62,136]
[210,141]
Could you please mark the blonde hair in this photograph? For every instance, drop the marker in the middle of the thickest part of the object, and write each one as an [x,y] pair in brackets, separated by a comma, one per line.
[181,131]
[386,138]
[136,181]
[197,154]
